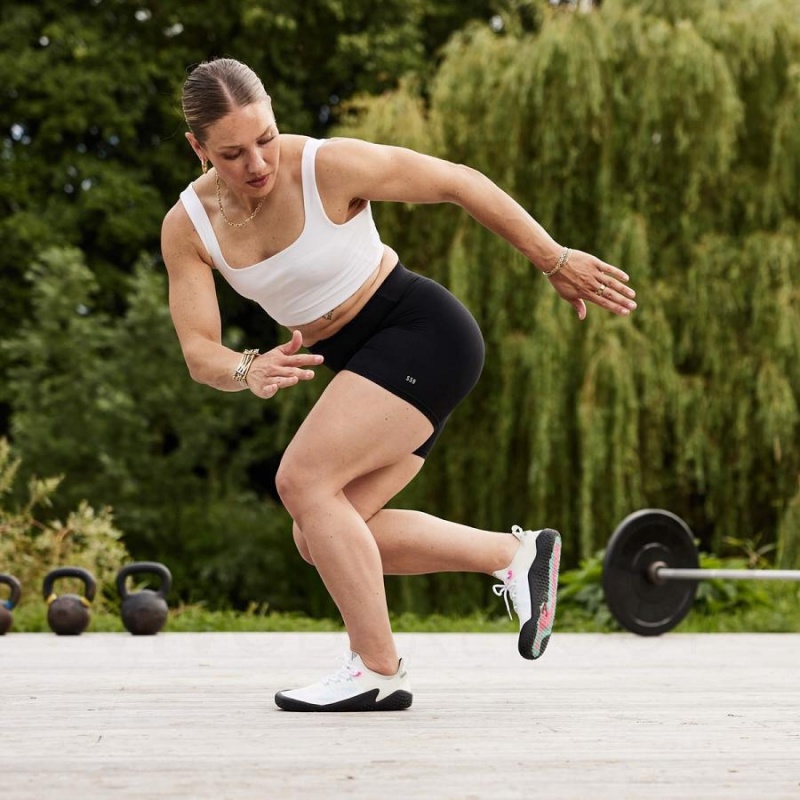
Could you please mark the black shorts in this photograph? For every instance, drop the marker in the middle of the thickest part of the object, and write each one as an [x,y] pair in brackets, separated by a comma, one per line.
[417,341]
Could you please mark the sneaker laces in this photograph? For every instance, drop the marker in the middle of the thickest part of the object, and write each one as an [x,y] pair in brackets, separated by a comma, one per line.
[509,587]
[345,673]
[504,590]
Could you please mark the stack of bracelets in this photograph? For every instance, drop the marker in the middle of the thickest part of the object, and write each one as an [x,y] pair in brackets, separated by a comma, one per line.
[244,365]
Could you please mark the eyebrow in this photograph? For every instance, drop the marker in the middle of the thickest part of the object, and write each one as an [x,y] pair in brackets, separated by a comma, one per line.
[269,128]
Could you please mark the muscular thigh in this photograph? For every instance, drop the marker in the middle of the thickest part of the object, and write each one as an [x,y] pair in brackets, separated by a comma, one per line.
[356,428]
[370,493]
[417,341]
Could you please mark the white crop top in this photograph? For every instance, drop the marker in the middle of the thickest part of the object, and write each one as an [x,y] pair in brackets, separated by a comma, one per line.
[324,266]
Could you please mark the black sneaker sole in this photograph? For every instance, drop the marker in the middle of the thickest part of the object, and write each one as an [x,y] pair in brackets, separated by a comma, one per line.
[397,701]
[543,585]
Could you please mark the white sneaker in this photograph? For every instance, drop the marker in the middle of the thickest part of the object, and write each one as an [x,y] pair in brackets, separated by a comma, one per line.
[531,580]
[353,687]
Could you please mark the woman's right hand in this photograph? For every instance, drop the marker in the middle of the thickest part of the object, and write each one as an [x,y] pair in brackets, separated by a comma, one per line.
[281,367]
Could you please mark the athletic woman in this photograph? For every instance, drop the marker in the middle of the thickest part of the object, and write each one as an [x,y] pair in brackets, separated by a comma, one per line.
[286,220]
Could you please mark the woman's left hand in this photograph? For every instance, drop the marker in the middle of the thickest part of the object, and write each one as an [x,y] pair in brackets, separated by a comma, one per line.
[585,277]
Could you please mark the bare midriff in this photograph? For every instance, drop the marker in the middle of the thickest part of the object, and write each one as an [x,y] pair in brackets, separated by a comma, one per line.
[327,326]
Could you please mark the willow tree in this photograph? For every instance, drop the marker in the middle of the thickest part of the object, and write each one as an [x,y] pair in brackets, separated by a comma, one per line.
[662,136]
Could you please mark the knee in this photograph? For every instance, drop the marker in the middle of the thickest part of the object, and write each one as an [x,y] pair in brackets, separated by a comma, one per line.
[300,487]
[302,544]
[289,484]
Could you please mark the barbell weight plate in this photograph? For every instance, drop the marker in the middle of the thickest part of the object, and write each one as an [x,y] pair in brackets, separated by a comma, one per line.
[638,603]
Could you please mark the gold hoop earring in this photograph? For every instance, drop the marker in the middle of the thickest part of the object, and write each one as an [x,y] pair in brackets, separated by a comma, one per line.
[205,166]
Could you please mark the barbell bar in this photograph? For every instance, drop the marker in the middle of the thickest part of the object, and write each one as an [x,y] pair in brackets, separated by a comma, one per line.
[661,572]
[651,569]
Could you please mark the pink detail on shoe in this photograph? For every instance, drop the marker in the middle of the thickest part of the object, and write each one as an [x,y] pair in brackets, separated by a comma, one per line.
[555,558]
[509,575]
[545,617]
[548,609]
[357,674]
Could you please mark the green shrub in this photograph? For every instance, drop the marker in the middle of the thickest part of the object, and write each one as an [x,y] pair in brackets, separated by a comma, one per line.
[580,596]
[720,596]
[582,604]
[31,546]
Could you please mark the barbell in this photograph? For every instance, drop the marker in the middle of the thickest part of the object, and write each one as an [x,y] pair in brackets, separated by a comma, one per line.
[651,569]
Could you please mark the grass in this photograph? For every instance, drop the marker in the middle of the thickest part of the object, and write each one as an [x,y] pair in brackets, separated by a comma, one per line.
[781,615]
[720,606]
[778,613]
[718,609]
[186,619]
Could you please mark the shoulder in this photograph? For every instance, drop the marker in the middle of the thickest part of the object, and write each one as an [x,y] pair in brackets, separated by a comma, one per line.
[342,158]
[179,238]
[335,149]
[292,143]
[292,147]
[176,221]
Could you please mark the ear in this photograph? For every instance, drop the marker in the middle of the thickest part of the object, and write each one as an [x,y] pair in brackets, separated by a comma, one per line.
[196,146]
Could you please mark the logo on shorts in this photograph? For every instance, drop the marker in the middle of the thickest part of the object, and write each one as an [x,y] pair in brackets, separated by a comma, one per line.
[410,379]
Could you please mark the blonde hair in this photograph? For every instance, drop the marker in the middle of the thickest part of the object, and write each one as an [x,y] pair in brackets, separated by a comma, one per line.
[215,88]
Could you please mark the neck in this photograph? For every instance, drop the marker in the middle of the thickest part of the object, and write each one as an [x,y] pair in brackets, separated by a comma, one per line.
[233,219]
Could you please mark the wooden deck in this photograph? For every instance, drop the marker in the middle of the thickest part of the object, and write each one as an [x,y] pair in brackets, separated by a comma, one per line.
[599,716]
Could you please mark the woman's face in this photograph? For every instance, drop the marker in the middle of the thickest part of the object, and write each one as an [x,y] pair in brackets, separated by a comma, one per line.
[244,148]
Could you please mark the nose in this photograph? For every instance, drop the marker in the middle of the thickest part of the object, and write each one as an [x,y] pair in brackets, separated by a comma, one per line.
[256,163]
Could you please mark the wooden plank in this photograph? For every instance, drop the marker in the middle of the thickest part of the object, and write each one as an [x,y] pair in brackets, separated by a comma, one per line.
[599,716]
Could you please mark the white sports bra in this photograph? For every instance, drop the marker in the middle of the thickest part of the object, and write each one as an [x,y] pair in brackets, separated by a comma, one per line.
[324,266]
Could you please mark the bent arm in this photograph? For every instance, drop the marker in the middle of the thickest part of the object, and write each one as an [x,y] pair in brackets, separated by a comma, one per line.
[194,308]
[195,314]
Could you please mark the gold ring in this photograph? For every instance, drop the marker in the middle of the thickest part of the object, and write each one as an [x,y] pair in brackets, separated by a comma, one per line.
[601,291]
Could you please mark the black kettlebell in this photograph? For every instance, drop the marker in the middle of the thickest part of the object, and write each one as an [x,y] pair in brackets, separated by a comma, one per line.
[7,606]
[69,614]
[144,612]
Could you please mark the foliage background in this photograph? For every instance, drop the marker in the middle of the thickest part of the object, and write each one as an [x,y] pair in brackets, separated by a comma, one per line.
[660,134]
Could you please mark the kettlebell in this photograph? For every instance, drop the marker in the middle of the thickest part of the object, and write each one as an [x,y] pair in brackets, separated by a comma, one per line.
[7,606]
[69,614]
[144,612]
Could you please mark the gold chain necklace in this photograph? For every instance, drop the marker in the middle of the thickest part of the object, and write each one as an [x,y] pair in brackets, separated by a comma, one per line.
[222,210]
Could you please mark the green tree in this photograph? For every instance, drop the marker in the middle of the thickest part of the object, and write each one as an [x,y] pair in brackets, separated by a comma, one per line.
[93,150]
[93,154]
[660,136]
[106,401]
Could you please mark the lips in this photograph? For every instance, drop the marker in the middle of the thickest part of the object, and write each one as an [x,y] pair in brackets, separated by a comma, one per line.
[257,183]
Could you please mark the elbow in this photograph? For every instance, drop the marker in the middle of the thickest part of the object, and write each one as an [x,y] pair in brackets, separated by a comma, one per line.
[196,373]
[467,181]
[196,367]
[203,362]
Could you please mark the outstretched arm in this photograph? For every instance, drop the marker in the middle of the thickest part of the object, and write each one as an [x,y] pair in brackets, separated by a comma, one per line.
[355,169]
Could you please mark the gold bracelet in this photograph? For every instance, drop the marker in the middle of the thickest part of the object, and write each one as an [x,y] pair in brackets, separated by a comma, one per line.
[240,374]
[562,261]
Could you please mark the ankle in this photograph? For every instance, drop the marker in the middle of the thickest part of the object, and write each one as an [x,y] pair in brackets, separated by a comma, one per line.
[381,666]
[506,550]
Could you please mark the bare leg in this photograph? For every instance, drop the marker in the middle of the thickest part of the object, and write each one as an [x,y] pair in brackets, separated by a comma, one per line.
[356,428]
[415,543]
